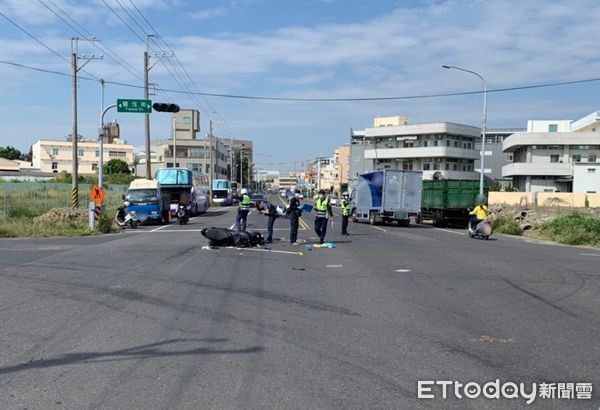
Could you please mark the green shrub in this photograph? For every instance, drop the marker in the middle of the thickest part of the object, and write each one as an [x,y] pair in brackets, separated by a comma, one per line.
[104,224]
[24,212]
[507,225]
[573,229]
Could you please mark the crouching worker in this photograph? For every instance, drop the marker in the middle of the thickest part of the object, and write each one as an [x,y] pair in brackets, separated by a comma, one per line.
[270,210]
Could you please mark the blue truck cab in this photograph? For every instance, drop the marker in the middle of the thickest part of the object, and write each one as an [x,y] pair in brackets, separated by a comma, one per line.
[147,201]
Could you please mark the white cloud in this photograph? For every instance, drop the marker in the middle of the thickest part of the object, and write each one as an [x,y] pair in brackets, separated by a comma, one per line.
[209,13]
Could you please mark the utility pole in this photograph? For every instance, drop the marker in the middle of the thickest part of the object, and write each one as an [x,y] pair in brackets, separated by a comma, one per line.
[74,134]
[101,139]
[147,116]
[210,136]
[74,181]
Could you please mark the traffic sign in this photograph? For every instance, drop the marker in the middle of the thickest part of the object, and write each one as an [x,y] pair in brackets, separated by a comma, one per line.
[96,194]
[135,106]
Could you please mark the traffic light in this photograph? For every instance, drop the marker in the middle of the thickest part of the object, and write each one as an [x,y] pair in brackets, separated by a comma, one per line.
[165,107]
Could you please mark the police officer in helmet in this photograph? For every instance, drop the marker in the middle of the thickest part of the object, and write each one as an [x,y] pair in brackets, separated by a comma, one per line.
[345,205]
[243,209]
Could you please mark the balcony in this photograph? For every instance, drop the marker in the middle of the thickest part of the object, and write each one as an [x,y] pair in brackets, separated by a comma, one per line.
[421,152]
[537,169]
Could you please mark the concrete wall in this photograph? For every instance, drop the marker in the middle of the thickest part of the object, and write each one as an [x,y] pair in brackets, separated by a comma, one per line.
[549,199]
[510,198]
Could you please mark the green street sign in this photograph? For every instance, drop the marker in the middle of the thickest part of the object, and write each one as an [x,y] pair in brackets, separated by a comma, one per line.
[136,106]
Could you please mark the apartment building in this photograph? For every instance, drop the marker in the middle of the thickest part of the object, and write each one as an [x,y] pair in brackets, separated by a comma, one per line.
[341,157]
[56,156]
[545,155]
[443,148]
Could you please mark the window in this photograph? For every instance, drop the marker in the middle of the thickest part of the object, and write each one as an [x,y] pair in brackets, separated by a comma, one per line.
[583,147]
[54,165]
[120,154]
[552,127]
[97,153]
[447,143]
[576,158]
[591,170]
[554,158]
[447,167]
[409,144]
[454,167]
[426,167]
[456,144]
[54,151]
[94,166]
[591,158]
[407,165]
[468,145]
[509,157]
[80,152]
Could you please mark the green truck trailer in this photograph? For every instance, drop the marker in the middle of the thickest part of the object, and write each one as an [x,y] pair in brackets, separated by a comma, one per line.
[445,201]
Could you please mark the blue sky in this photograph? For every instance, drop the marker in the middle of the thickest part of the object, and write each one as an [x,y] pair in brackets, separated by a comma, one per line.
[305,49]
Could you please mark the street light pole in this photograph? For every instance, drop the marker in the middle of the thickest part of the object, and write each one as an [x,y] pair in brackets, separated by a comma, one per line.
[483,124]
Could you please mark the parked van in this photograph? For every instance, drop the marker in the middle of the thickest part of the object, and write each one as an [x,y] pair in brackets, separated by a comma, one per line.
[147,201]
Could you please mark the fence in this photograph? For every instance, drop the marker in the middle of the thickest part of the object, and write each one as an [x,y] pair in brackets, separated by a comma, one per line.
[19,197]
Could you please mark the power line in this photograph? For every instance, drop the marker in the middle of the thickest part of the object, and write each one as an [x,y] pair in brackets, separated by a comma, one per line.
[42,43]
[496,90]
[86,33]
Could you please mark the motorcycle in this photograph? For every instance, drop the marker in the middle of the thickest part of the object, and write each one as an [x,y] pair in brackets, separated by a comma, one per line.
[482,230]
[126,218]
[182,214]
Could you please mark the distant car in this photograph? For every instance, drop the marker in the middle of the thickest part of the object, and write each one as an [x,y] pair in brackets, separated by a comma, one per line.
[257,200]
[334,201]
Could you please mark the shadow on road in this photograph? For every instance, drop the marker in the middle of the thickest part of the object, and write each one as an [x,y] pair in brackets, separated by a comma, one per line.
[147,351]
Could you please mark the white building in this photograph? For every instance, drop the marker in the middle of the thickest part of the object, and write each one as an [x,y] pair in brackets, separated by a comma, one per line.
[543,158]
[446,148]
[56,156]
[586,177]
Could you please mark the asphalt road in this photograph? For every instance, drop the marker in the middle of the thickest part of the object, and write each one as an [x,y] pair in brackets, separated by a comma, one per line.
[148,319]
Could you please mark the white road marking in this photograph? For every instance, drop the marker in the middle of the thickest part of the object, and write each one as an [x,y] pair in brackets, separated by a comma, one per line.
[266,250]
[159,228]
[590,254]
[402,270]
[376,227]
[334,266]
[449,231]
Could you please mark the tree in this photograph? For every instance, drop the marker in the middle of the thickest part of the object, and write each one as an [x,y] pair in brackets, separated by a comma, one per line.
[29,156]
[116,166]
[10,153]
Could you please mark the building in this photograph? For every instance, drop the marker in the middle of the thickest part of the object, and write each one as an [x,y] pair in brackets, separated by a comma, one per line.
[389,121]
[445,149]
[342,158]
[288,181]
[586,177]
[185,124]
[495,158]
[56,156]
[357,163]
[111,133]
[7,165]
[544,157]
[192,154]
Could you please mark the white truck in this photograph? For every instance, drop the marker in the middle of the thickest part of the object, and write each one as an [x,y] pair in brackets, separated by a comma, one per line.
[387,195]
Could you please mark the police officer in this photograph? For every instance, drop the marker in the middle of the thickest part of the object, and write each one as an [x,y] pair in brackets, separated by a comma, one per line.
[345,205]
[270,210]
[323,212]
[243,209]
[294,212]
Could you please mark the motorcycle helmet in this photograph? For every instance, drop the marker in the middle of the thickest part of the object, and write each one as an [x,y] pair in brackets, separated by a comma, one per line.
[480,199]
[345,195]
[244,191]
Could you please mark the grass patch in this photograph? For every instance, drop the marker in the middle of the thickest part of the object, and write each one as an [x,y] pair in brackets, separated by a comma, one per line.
[574,229]
[27,227]
[507,225]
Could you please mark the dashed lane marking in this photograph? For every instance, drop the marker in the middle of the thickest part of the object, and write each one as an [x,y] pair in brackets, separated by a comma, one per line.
[376,227]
